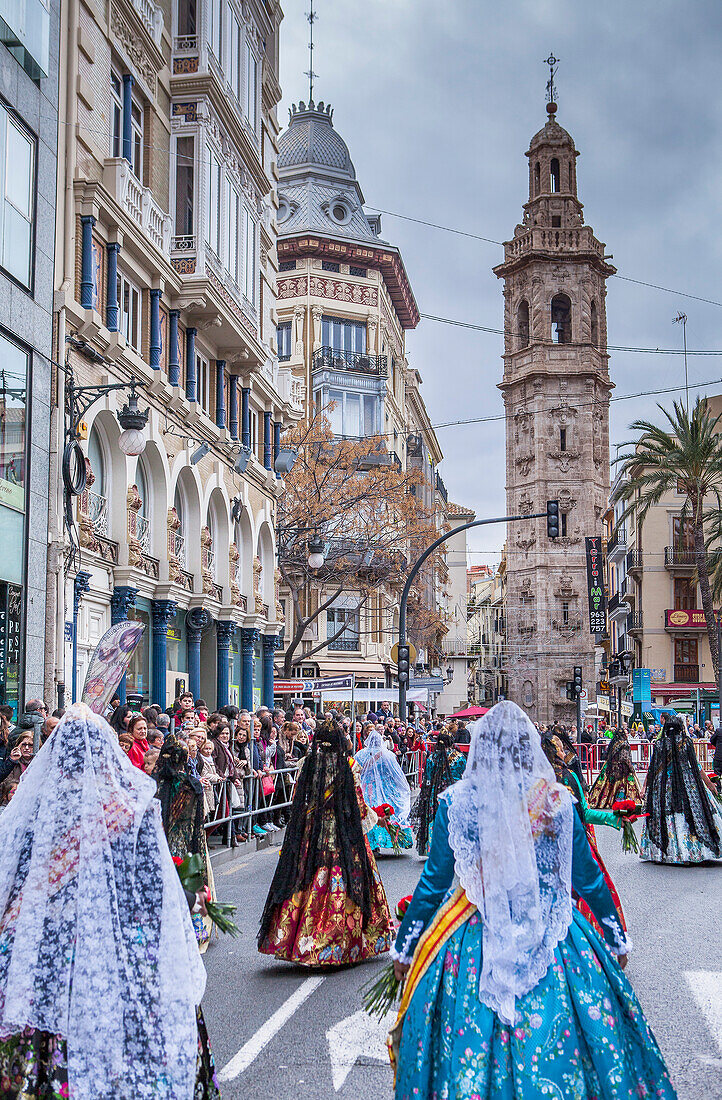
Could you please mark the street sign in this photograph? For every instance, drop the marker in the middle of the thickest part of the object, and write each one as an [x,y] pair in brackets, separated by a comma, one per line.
[395,653]
[287,687]
[333,682]
[584,694]
[430,683]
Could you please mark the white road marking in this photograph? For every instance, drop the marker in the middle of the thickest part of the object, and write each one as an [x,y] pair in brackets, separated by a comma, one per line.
[250,1050]
[706,985]
[357,1035]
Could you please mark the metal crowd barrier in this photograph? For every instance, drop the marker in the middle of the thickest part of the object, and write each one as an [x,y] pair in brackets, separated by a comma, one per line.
[225,817]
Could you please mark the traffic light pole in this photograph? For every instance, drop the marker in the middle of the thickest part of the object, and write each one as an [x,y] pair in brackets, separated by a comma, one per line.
[403,683]
[579,719]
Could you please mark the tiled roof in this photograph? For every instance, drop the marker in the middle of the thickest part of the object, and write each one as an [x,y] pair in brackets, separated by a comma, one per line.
[458,510]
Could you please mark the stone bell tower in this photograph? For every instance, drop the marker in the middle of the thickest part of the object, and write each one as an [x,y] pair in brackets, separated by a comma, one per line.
[556,394]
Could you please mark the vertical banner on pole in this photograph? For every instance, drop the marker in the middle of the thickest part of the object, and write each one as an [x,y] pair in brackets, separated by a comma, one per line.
[595,586]
[109,664]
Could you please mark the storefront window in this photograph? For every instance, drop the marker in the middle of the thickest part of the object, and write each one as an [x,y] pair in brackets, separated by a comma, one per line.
[11,602]
[138,677]
[176,647]
[234,694]
[14,362]
[257,676]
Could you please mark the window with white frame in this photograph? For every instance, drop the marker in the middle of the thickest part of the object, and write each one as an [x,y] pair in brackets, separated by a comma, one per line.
[184,187]
[136,139]
[203,383]
[213,201]
[249,256]
[116,114]
[233,228]
[253,417]
[283,339]
[353,414]
[235,46]
[17,197]
[251,88]
[129,310]
[216,29]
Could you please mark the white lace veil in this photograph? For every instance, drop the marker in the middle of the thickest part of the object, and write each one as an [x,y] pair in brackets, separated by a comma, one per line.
[383,780]
[510,828]
[96,940]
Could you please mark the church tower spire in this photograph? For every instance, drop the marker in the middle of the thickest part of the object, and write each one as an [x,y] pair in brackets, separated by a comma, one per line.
[556,393]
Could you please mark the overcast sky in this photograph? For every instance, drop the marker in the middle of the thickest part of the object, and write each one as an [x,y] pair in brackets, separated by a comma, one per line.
[437,103]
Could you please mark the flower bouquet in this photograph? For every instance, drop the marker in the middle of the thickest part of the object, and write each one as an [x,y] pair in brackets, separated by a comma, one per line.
[629,811]
[191,872]
[384,813]
[380,996]
[402,906]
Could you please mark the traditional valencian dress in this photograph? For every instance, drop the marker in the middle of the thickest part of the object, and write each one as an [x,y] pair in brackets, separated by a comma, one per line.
[511,993]
[100,975]
[684,816]
[562,756]
[444,766]
[617,780]
[326,905]
[384,784]
[182,810]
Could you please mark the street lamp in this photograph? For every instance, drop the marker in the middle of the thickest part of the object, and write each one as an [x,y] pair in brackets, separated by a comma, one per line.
[316,552]
[132,420]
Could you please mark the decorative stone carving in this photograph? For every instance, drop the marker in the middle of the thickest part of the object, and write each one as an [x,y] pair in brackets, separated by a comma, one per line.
[173,523]
[257,581]
[86,531]
[134,504]
[277,594]
[524,464]
[233,559]
[526,505]
[206,568]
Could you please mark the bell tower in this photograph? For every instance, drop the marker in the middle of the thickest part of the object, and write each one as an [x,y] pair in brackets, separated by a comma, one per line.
[556,394]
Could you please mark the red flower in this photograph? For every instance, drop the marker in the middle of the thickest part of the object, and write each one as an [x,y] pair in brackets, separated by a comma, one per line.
[625,806]
[384,810]
[177,860]
[402,906]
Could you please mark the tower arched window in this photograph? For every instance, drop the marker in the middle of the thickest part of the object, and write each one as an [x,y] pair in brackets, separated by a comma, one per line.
[594,324]
[571,177]
[537,178]
[554,182]
[561,311]
[522,323]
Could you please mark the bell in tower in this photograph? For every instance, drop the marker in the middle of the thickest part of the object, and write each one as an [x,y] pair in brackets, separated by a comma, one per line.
[556,394]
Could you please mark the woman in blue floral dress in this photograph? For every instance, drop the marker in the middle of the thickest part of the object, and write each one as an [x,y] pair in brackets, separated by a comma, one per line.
[509,992]
[386,790]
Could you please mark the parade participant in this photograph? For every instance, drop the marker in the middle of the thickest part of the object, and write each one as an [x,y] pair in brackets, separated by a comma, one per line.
[510,989]
[326,905]
[444,766]
[182,810]
[684,815]
[384,784]
[563,758]
[99,997]
[617,781]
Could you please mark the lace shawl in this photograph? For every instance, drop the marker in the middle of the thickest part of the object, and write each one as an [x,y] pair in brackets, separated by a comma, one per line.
[511,828]
[96,940]
[383,780]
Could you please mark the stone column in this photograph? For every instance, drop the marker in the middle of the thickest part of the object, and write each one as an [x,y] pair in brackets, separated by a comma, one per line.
[87,282]
[246,417]
[162,611]
[121,601]
[225,629]
[197,620]
[267,452]
[276,443]
[191,364]
[233,407]
[155,348]
[111,306]
[220,393]
[269,648]
[249,637]
[173,354]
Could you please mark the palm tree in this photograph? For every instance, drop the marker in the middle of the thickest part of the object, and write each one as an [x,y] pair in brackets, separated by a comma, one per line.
[686,457]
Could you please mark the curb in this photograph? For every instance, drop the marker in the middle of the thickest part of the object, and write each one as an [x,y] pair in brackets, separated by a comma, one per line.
[221,856]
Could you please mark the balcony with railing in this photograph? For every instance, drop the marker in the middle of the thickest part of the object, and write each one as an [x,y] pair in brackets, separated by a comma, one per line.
[541,238]
[635,623]
[345,644]
[455,647]
[680,557]
[142,533]
[441,489]
[179,548]
[138,202]
[617,545]
[686,674]
[152,18]
[98,513]
[358,362]
[617,608]
[634,561]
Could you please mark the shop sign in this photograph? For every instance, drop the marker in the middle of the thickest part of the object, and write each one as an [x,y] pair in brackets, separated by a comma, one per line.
[174,634]
[331,683]
[12,494]
[642,686]
[287,687]
[595,586]
[685,620]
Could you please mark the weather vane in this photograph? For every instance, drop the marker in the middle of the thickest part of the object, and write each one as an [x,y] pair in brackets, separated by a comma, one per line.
[312,17]
[553,63]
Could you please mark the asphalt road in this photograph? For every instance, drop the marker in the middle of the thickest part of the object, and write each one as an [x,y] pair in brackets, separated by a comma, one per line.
[269,1021]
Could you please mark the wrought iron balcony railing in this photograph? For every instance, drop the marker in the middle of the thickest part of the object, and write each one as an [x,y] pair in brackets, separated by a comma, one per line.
[360,362]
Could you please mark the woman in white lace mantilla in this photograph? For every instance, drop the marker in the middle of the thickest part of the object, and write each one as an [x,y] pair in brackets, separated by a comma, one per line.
[509,991]
[100,975]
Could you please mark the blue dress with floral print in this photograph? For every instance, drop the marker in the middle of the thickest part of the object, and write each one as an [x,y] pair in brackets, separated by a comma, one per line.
[580,1035]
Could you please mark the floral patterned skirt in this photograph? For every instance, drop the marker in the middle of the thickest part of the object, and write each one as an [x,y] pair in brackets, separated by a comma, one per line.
[581,1033]
[33,1066]
[322,926]
[683,846]
[379,837]
[606,791]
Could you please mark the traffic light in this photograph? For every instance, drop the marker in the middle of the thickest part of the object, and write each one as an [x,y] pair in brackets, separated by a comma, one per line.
[402,664]
[570,691]
[578,679]
[553,519]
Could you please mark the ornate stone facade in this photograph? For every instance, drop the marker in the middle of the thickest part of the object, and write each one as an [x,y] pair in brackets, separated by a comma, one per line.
[556,393]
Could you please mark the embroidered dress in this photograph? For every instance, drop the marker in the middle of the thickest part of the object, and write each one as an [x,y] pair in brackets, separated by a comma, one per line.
[323,910]
[384,783]
[580,1033]
[617,780]
[444,766]
[684,817]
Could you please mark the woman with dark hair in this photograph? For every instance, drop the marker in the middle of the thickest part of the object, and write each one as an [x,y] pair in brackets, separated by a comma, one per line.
[326,905]
[444,766]
[120,717]
[508,991]
[684,814]
[617,781]
[182,811]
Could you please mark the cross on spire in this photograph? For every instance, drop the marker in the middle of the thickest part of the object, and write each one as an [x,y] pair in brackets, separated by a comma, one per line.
[312,17]
[553,63]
